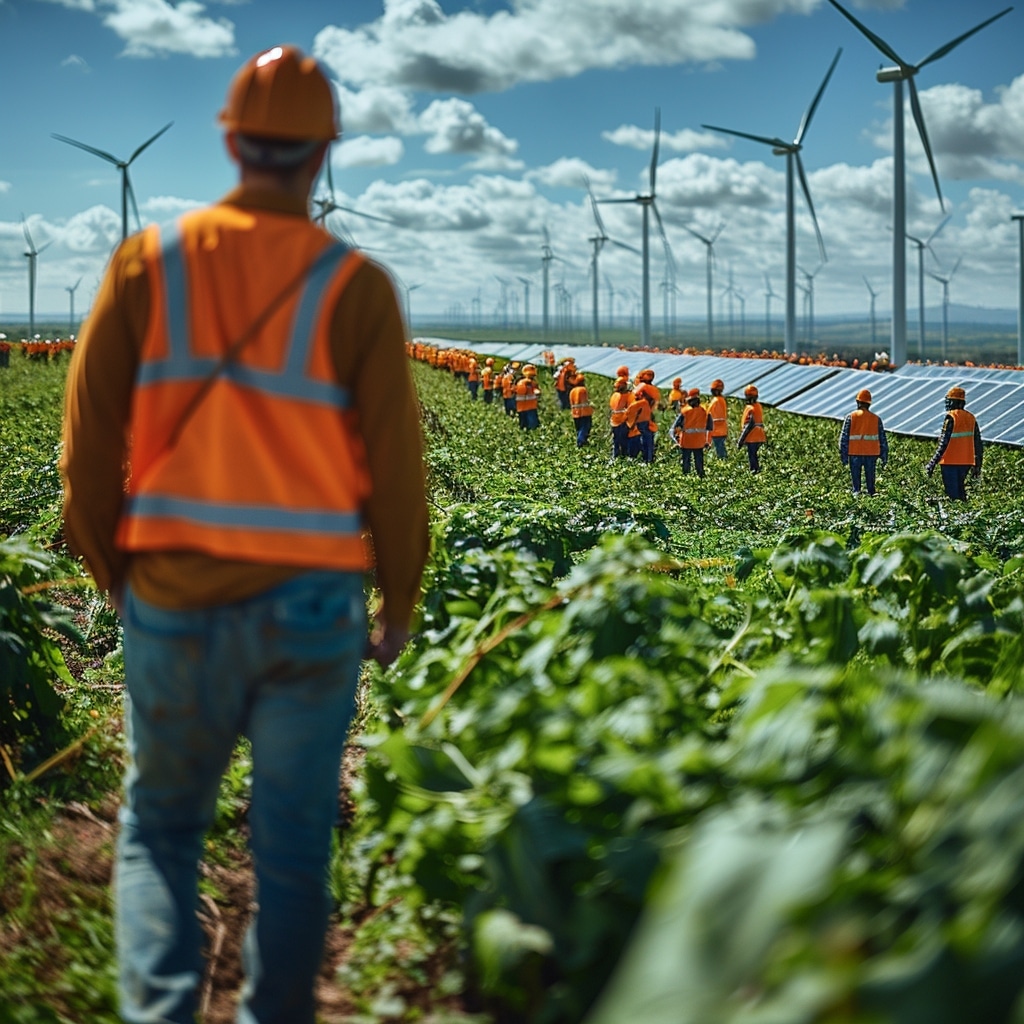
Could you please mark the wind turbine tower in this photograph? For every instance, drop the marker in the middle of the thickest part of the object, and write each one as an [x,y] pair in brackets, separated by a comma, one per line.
[647,204]
[127,192]
[944,280]
[709,244]
[71,294]
[791,151]
[769,294]
[898,74]
[31,254]
[1019,218]
[923,244]
[525,282]
[598,242]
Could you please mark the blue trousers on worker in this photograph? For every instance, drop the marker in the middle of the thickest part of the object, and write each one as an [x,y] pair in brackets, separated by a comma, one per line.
[282,669]
[954,479]
[620,441]
[582,425]
[865,464]
[719,443]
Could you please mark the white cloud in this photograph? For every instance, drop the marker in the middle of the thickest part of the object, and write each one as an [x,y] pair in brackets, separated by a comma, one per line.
[376,109]
[164,207]
[685,141]
[455,126]
[152,28]
[415,45]
[365,151]
[76,62]
[572,172]
[94,231]
[5,186]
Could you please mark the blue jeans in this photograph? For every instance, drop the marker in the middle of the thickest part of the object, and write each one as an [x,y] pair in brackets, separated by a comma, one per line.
[753,447]
[720,451]
[582,425]
[282,669]
[867,464]
[954,479]
[694,455]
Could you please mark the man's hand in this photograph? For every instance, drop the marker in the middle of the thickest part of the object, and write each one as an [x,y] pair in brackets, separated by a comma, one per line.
[386,643]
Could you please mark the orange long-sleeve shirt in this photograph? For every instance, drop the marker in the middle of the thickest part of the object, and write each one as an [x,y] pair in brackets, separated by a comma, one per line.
[368,347]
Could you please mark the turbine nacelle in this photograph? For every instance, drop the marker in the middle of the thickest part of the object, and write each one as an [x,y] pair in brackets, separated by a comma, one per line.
[896,74]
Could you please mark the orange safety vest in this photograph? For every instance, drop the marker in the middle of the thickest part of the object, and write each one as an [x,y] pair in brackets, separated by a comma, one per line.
[863,437]
[526,395]
[270,466]
[694,431]
[508,385]
[474,371]
[639,411]
[618,402]
[579,402]
[719,416]
[753,412]
[487,378]
[960,450]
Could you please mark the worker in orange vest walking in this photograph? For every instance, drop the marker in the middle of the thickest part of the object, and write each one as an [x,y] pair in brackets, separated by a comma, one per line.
[527,390]
[960,448]
[691,431]
[231,474]
[752,428]
[640,420]
[582,410]
[863,444]
[487,380]
[618,402]
[719,412]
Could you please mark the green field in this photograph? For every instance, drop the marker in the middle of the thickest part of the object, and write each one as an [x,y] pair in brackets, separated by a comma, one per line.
[740,749]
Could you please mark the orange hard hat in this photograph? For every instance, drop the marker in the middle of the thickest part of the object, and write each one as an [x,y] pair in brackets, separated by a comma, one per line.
[957,394]
[717,385]
[530,370]
[646,375]
[864,396]
[750,391]
[693,393]
[678,382]
[622,371]
[281,94]
[489,361]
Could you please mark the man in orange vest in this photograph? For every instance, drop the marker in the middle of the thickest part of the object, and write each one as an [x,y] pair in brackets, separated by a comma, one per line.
[960,448]
[752,428]
[582,410]
[487,380]
[618,402]
[232,362]
[640,420]
[862,443]
[719,413]
[691,431]
[472,376]
[527,390]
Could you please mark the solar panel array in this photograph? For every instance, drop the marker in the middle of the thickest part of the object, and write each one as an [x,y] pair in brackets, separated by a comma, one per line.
[909,401]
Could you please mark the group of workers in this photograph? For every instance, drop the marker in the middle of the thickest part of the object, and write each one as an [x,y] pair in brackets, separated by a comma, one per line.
[37,350]
[697,427]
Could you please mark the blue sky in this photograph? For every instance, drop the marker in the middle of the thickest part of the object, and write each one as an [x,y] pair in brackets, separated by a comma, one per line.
[470,126]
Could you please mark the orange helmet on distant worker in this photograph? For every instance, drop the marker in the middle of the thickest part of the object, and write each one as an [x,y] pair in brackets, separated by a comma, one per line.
[622,371]
[750,391]
[677,382]
[529,370]
[864,396]
[693,393]
[956,394]
[717,385]
[281,94]
[647,376]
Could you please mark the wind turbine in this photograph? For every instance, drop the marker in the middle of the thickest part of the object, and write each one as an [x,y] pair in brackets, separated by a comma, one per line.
[409,289]
[647,204]
[904,72]
[525,282]
[944,280]
[328,204]
[1018,216]
[709,243]
[597,242]
[921,246]
[791,151]
[769,294]
[71,293]
[127,192]
[874,295]
[31,254]
[809,291]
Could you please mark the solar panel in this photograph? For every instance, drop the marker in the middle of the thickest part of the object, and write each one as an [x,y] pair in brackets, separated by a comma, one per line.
[833,397]
[786,380]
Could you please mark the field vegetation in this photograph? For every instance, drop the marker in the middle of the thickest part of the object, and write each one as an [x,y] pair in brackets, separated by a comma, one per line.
[740,749]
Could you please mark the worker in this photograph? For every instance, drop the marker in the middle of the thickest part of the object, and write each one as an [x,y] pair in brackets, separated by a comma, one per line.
[509,378]
[472,376]
[691,431]
[719,412]
[863,444]
[639,418]
[752,428]
[487,376]
[582,410]
[618,402]
[228,470]
[677,397]
[527,390]
[960,448]
[564,377]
